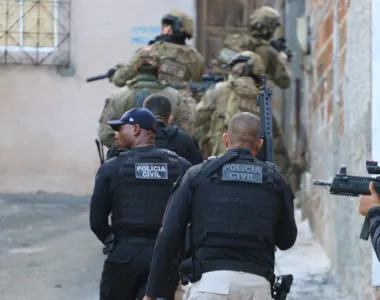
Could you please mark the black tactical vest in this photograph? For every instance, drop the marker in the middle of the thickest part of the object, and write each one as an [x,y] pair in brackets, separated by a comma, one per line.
[141,188]
[237,204]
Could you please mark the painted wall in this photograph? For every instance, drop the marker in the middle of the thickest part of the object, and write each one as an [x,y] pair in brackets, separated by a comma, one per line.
[48,122]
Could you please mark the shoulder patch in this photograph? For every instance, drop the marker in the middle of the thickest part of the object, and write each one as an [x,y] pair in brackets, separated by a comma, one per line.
[151,171]
[243,172]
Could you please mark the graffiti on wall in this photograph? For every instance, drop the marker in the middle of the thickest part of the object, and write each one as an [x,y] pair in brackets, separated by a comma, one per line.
[141,35]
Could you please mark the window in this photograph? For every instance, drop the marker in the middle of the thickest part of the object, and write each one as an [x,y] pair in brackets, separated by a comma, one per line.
[34,31]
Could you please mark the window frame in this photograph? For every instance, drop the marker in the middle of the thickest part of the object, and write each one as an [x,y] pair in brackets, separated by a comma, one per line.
[21,48]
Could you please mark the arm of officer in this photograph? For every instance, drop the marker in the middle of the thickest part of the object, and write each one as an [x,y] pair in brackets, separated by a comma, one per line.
[125,71]
[374,229]
[286,231]
[100,207]
[194,154]
[171,235]
[206,106]
[370,206]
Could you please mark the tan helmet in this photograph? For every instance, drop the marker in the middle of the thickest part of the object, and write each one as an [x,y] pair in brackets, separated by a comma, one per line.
[185,22]
[252,60]
[264,20]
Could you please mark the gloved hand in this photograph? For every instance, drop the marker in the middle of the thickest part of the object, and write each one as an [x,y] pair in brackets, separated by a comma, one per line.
[111,72]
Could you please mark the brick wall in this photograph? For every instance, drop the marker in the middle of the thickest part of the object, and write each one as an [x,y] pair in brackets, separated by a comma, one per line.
[339,130]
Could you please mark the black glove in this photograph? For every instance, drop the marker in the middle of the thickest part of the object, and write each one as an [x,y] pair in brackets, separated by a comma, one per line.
[111,72]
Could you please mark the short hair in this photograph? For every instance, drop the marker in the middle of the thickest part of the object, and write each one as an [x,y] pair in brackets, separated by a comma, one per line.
[244,130]
[159,105]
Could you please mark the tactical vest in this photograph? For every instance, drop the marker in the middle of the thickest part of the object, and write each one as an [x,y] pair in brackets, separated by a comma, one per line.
[141,89]
[235,203]
[165,136]
[176,61]
[140,190]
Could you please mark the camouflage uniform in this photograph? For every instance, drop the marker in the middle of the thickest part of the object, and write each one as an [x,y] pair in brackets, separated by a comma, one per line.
[179,63]
[237,94]
[133,95]
[262,25]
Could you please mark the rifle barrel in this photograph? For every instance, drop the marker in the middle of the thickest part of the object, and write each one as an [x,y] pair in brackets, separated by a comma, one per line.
[321,182]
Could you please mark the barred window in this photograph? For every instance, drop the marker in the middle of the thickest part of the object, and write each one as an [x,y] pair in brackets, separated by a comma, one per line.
[34,32]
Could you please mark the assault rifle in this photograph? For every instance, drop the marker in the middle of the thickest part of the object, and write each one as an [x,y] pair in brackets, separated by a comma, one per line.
[209,80]
[353,186]
[264,100]
[280,46]
[97,77]
[99,147]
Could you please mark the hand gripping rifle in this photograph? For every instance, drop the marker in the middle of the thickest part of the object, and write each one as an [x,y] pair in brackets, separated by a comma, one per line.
[208,80]
[353,186]
[264,100]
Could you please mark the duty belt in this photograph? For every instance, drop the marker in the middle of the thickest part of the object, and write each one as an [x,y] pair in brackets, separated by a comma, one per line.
[139,240]
[239,266]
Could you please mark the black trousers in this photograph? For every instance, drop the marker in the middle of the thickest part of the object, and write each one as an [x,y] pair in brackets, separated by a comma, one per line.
[125,274]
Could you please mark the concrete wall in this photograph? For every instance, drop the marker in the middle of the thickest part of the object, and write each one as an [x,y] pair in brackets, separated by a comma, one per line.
[338,98]
[48,122]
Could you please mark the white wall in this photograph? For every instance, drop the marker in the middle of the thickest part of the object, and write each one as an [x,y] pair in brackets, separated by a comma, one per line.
[375,109]
[48,122]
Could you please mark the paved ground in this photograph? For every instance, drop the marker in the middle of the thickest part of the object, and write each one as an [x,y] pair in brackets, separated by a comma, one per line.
[310,268]
[48,252]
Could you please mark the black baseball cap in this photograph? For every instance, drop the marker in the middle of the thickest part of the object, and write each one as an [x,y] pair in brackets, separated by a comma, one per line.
[136,116]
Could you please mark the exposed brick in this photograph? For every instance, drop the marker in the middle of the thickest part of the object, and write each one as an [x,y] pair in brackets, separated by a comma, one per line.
[341,122]
[342,63]
[324,60]
[343,33]
[340,101]
[315,100]
[328,82]
[325,29]
[342,10]
[329,108]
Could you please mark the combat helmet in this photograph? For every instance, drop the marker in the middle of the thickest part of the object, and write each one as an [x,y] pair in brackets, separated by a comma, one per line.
[180,21]
[264,21]
[248,63]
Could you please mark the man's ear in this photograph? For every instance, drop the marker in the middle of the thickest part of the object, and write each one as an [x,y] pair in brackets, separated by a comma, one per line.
[136,130]
[170,119]
[260,144]
[225,139]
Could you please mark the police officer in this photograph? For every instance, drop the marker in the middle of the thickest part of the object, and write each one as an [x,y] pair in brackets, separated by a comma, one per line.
[134,188]
[370,207]
[170,136]
[240,208]
[134,93]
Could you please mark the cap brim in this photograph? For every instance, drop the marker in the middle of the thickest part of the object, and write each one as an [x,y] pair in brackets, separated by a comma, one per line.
[115,125]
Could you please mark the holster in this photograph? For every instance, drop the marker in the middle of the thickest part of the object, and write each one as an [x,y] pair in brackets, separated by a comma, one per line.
[281,287]
[190,271]
[109,243]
